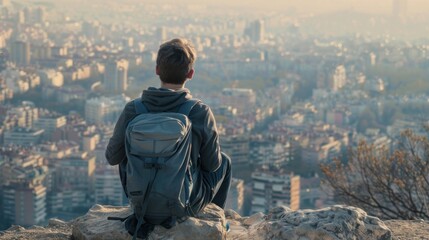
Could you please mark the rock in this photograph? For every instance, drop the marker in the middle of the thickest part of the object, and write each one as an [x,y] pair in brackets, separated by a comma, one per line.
[51,232]
[407,229]
[336,222]
[94,225]
[255,218]
[231,214]
[333,223]
[54,222]
[16,228]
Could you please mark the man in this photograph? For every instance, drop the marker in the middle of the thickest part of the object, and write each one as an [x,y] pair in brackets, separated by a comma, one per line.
[210,169]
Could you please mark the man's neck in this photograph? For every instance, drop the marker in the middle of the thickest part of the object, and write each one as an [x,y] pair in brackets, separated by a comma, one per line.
[172,86]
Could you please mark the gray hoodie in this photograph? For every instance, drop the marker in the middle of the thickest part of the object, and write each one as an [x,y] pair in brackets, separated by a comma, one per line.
[205,153]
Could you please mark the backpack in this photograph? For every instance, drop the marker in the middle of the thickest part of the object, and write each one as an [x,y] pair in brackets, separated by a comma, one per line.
[158,178]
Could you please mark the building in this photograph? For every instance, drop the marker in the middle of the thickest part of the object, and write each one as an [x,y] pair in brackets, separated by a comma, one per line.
[24,115]
[338,79]
[23,136]
[104,109]
[4,54]
[108,187]
[90,141]
[51,77]
[49,122]
[313,195]
[41,52]
[116,76]
[91,29]
[242,99]
[23,190]
[235,199]
[273,187]
[331,76]
[39,15]
[256,31]
[73,191]
[68,204]
[20,53]
[237,147]
[264,151]
[320,150]
[76,172]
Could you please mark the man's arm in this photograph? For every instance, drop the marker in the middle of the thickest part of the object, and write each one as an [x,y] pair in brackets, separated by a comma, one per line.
[115,151]
[210,153]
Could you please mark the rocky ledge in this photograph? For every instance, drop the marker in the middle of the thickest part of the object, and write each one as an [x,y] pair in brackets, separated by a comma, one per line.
[336,222]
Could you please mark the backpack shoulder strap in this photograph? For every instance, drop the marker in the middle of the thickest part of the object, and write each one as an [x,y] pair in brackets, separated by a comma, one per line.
[187,106]
[139,106]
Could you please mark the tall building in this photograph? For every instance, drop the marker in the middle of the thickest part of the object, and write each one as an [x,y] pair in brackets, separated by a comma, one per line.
[332,77]
[339,78]
[104,109]
[399,8]
[273,187]
[20,53]
[39,15]
[116,76]
[256,31]
[23,190]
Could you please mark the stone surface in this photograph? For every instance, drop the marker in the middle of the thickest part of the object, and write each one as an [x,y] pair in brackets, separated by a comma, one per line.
[56,230]
[333,223]
[407,230]
[337,222]
[95,226]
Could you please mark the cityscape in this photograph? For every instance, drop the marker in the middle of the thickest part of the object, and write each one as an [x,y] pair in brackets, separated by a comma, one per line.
[290,90]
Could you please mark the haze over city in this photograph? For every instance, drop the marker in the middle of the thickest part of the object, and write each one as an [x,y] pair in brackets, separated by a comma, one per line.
[300,6]
[292,84]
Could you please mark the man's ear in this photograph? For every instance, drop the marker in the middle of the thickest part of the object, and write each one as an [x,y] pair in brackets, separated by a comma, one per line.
[157,70]
[190,74]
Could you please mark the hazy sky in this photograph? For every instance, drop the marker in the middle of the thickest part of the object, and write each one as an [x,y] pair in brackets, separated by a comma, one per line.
[317,6]
[301,6]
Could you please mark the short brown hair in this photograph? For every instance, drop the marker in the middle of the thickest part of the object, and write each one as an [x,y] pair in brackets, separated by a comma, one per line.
[175,59]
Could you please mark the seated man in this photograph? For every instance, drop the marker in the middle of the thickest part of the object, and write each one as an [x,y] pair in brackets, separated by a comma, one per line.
[210,169]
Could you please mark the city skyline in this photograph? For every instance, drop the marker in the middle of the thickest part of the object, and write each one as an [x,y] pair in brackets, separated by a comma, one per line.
[289,91]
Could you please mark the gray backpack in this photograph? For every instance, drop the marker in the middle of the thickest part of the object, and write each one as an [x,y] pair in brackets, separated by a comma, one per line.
[158,179]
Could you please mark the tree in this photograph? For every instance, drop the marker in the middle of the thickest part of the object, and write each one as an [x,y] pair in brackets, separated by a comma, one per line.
[390,185]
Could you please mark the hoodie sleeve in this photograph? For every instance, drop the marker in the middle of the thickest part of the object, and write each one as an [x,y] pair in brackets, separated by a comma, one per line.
[115,151]
[210,153]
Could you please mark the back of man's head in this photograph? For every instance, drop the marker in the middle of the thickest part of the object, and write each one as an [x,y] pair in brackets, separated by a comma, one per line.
[175,60]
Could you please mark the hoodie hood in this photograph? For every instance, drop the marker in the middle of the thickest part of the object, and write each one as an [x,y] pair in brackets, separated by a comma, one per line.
[163,99]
